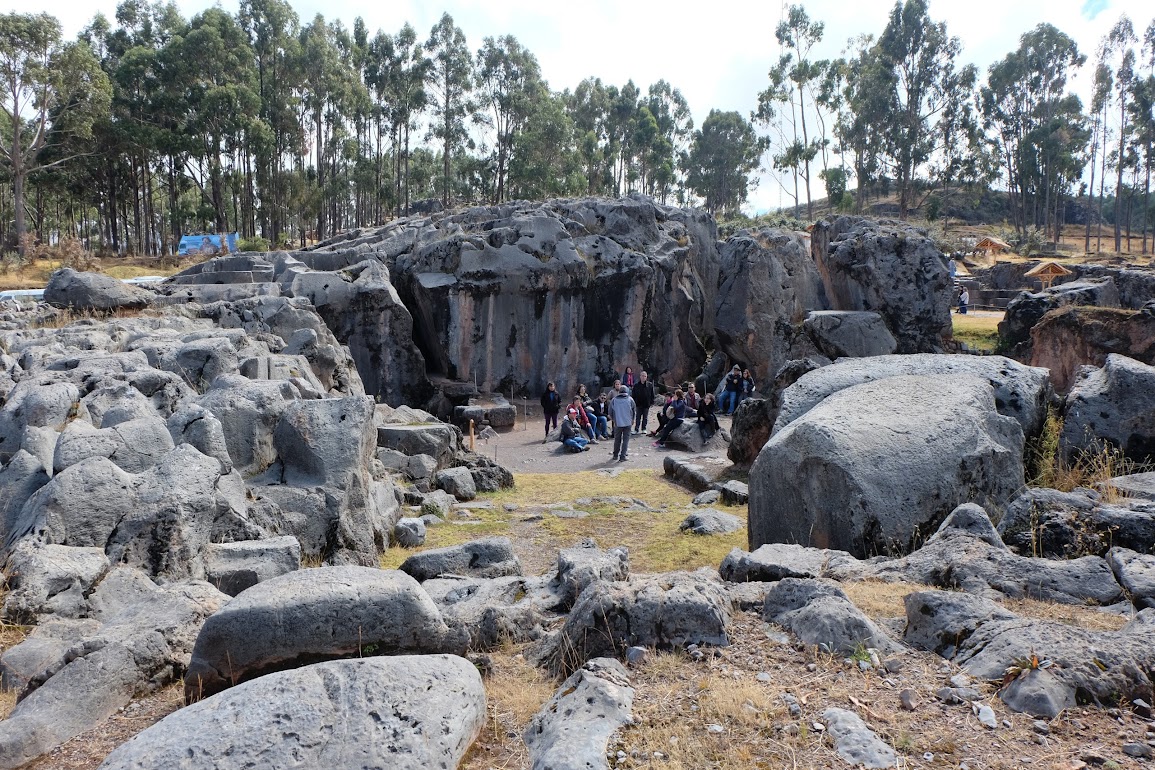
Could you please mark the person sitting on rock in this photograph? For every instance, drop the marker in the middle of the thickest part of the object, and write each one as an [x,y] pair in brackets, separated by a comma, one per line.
[748,387]
[733,390]
[708,417]
[571,435]
[643,395]
[600,416]
[628,378]
[675,411]
[663,402]
[693,398]
[550,406]
[583,416]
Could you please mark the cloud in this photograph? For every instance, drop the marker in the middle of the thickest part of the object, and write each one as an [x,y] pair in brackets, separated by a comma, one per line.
[1092,8]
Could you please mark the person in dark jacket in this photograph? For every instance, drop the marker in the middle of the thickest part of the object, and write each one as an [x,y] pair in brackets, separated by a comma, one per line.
[643,394]
[675,412]
[550,406]
[708,417]
[571,433]
[748,387]
[599,412]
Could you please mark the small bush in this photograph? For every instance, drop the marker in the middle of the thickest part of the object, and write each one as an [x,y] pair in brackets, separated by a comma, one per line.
[253,244]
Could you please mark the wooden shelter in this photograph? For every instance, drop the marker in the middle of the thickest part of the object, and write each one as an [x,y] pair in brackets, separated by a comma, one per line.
[991,245]
[1046,273]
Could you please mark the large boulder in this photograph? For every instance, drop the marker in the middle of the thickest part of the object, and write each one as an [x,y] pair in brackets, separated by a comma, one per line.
[768,283]
[234,567]
[362,308]
[133,445]
[888,268]
[493,612]
[1112,407]
[93,291]
[35,404]
[408,713]
[848,333]
[1020,391]
[1063,525]
[50,579]
[872,467]
[312,615]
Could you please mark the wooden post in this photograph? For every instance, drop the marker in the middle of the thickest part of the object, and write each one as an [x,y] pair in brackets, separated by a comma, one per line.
[472,438]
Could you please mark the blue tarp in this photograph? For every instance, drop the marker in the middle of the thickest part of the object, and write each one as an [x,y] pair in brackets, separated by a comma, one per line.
[206,245]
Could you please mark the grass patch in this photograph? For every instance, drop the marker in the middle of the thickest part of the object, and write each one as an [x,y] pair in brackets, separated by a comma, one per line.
[515,690]
[978,332]
[879,599]
[655,543]
[1087,618]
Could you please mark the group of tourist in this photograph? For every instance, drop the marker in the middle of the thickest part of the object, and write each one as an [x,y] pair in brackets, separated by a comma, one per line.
[626,406]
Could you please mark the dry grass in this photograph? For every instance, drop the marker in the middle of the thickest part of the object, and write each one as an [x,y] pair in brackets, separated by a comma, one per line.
[977,331]
[36,272]
[879,599]
[1088,618]
[652,535]
[515,690]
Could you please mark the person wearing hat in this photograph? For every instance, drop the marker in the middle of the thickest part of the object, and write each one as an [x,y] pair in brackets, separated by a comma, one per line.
[623,411]
[571,434]
[733,392]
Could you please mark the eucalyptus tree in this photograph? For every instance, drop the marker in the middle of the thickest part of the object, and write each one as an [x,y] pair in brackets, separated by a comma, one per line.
[925,84]
[407,94]
[509,79]
[866,104]
[1119,45]
[676,126]
[50,91]
[451,80]
[791,102]
[721,159]
[1036,124]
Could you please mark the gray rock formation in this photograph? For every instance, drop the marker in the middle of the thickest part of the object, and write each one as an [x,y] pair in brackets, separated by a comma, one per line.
[492,612]
[234,567]
[94,672]
[52,579]
[1020,391]
[776,561]
[572,730]
[856,472]
[1112,406]
[1101,667]
[1046,522]
[768,283]
[820,613]
[855,742]
[1140,486]
[1136,573]
[1027,309]
[92,291]
[663,611]
[845,333]
[409,713]
[709,521]
[457,482]
[486,558]
[889,268]
[585,564]
[312,615]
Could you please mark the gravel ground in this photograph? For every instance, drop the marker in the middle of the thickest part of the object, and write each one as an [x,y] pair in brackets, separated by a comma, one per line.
[522,451]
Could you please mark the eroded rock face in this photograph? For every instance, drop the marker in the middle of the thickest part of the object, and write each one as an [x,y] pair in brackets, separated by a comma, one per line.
[515,295]
[1112,406]
[1071,337]
[889,268]
[769,283]
[1027,309]
[872,466]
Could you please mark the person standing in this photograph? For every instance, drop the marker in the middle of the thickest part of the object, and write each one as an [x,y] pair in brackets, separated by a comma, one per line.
[628,378]
[550,406]
[732,391]
[643,393]
[571,433]
[624,412]
[964,300]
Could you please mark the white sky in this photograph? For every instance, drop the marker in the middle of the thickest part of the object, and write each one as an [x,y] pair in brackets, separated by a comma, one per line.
[717,53]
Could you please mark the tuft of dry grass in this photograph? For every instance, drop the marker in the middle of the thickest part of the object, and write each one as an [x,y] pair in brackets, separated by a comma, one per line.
[879,599]
[1047,466]
[515,691]
[1089,618]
